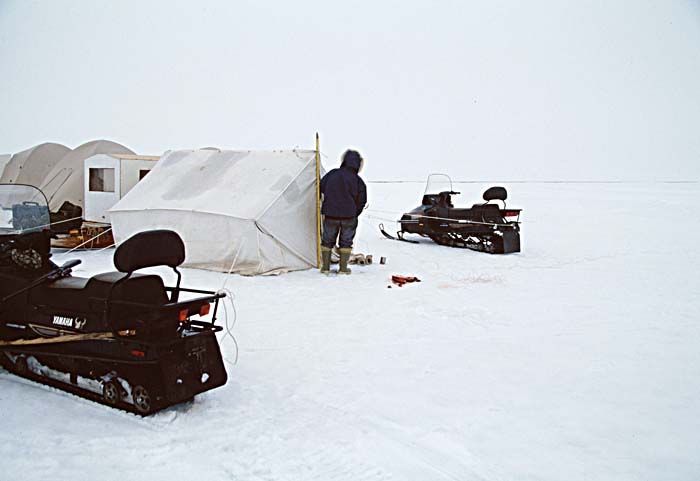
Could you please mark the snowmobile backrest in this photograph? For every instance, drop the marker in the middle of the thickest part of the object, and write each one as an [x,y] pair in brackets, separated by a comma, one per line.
[149,249]
[495,193]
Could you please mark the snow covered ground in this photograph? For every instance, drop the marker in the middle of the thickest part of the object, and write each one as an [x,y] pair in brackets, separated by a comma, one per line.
[577,359]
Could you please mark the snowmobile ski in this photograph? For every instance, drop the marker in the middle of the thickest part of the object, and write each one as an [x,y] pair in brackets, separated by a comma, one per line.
[399,238]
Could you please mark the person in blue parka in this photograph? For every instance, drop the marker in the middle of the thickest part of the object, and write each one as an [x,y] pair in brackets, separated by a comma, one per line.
[344,197]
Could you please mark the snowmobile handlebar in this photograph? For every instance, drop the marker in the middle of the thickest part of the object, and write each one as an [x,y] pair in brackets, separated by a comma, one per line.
[63,270]
[57,273]
[70,264]
[447,192]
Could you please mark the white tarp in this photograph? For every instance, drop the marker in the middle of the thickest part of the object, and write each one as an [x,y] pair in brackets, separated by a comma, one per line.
[31,166]
[4,160]
[257,208]
[65,182]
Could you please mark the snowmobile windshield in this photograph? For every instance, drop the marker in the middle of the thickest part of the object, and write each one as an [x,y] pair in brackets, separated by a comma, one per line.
[437,183]
[23,208]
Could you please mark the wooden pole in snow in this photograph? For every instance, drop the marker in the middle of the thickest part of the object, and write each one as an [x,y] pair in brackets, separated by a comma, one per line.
[318,204]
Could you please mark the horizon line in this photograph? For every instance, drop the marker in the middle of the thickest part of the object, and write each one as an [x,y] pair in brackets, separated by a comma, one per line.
[683,181]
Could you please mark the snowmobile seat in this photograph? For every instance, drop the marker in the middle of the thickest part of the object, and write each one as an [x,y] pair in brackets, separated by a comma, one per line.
[96,296]
[78,294]
[486,213]
[145,249]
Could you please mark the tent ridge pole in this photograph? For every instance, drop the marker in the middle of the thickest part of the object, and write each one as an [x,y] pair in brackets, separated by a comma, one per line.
[318,204]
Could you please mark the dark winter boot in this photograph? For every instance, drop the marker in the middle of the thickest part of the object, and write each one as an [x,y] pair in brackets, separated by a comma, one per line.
[325,260]
[344,258]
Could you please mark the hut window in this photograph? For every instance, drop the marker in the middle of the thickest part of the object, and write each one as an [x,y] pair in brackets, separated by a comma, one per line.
[142,173]
[101,180]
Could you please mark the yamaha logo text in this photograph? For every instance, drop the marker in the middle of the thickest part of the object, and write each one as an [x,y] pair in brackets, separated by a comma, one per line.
[78,323]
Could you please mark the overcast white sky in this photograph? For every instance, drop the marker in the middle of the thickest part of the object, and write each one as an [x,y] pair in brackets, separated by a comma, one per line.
[504,90]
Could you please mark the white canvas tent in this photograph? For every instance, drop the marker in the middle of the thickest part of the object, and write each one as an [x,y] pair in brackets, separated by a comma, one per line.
[31,166]
[4,159]
[251,212]
[65,182]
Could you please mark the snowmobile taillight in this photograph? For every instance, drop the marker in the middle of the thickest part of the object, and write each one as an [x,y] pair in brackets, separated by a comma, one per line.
[183,315]
[511,213]
[137,353]
[204,310]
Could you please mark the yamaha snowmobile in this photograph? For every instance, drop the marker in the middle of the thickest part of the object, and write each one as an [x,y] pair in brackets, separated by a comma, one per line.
[120,338]
[489,227]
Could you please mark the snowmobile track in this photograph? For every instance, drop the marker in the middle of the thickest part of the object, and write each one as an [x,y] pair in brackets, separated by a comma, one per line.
[76,391]
[144,421]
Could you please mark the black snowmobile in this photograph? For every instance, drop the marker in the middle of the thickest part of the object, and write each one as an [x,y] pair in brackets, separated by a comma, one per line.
[486,227]
[120,338]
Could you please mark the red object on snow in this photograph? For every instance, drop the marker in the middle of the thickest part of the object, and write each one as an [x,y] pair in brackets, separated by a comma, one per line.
[401,280]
